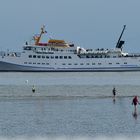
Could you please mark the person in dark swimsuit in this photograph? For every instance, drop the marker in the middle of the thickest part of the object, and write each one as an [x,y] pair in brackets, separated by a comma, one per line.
[114,92]
[33,89]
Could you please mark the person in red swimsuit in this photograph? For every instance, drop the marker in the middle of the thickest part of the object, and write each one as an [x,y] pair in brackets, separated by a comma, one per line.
[135,102]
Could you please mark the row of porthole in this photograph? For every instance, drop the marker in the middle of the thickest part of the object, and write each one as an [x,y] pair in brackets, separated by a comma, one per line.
[68,63]
[34,63]
[89,63]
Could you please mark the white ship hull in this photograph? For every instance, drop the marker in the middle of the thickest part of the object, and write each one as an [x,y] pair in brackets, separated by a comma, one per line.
[77,65]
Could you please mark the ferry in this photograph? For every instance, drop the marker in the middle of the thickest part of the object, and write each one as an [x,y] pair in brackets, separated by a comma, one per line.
[59,56]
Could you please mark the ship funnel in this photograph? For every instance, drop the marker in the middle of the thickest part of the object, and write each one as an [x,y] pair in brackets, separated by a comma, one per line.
[120,45]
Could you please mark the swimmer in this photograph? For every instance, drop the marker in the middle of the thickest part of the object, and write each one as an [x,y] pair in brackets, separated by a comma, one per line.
[33,89]
[114,92]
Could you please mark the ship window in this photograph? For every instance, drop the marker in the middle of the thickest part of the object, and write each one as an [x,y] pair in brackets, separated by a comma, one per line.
[99,63]
[34,56]
[47,63]
[93,63]
[114,56]
[25,62]
[125,62]
[117,63]
[81,64]
[30,62]
[43,56]
[63,64]
[60,57]
[43,63]
[27,48]
[56,57]
[70,57]
[65,57]
[34,63]
[38,56]
[52,57]
[69,64]
[47,57]
[87,63]
[75,64]
[38,63]
[30,56]
[110,63]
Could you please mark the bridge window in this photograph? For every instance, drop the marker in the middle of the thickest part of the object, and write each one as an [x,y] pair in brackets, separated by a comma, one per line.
[61,57]
[30,56]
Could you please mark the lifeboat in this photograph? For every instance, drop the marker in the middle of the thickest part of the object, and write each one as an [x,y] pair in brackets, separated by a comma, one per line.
[55,41]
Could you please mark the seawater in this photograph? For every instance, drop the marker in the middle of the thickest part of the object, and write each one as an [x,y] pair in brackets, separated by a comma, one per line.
[68,104]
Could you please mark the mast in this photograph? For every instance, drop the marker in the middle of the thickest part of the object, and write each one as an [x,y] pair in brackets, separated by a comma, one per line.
[37,38]
[120,42]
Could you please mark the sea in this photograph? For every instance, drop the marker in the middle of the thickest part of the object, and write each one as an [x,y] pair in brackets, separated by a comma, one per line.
[69,105]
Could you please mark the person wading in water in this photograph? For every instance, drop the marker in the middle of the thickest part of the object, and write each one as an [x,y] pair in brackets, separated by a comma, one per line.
[114,93]
[135,102]
[33,89]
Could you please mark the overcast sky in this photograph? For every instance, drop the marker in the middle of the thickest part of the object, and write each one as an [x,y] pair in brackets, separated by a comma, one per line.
[87,23]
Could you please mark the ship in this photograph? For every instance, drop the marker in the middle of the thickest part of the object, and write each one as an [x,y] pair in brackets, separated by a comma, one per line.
[59,56]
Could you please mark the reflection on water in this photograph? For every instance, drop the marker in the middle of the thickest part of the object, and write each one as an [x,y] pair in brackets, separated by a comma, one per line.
[62,117]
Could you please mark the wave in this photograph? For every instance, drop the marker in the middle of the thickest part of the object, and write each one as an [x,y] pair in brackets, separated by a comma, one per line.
[60,97]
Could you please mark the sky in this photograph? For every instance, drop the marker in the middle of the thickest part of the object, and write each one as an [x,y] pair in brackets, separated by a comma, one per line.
[86,23]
